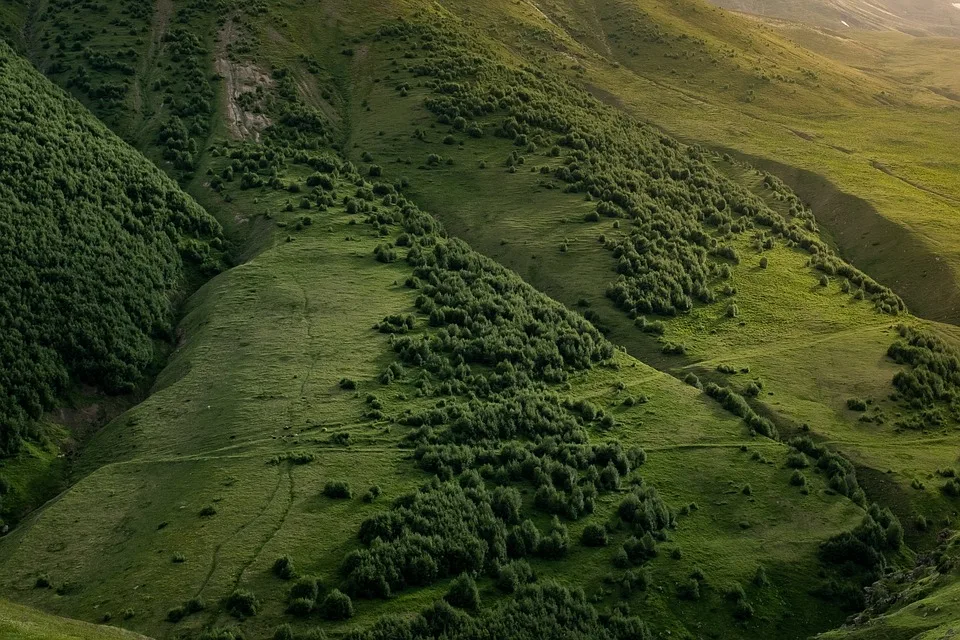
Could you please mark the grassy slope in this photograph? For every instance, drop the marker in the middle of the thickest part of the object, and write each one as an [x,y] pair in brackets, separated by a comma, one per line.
[814,347]
[284,318]
[22,623]
[732,82]
[264,347]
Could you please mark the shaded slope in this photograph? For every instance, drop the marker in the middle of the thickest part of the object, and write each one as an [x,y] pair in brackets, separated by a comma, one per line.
[96,244]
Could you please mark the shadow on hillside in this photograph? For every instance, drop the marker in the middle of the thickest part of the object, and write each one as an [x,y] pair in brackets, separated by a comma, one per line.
[890,253]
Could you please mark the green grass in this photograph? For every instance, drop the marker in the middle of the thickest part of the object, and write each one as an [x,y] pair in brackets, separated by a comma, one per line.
[22,623]
[262,347]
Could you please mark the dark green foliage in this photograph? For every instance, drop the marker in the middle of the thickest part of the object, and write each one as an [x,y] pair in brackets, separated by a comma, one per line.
[337,489]
[242,604]
[760,577]
[194,605]
[797,460]
[864,546]
[336,606]
[952,487]
[305,588]
[743,610]
[688,590]
[508,323]
[513,575]
[300,607]
[347,384]
[645,511]
[463,593]
[93,240]
[556,543]
[735,404]
[546,610]
[636,580]
[283,568]
[856,404]
[42,582]
[208,511]
[797,479]
[441,530]
[933,377]
[841,475]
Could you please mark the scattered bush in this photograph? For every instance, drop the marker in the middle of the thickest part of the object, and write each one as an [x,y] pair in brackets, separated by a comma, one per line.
[594,535]
[283,568]
[242,604]
[337,489]
[337,606]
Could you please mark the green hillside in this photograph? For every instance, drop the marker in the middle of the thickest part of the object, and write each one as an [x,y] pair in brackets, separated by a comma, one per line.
[92,251]
[499,356]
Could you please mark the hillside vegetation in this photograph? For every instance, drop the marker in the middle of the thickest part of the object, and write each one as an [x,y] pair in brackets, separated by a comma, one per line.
[498,358]
[92,244]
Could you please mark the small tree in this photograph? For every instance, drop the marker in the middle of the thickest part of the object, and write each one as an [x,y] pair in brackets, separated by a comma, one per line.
[337,606]
[463,593]
[337,489]
[283,568]
[594,535]
[242,604]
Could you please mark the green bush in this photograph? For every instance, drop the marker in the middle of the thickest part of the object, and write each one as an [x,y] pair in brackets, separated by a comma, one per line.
[242,604]
[283,568]
[688,590]
[856,404]
[594,535]
[463,593]
[300,607]
[337,489]
[336,606]
[305,588]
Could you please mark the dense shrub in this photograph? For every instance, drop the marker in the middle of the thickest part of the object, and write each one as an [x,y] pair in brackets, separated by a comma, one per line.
[93,241]
[545,610]
[463,593]
[241,604]
[337,489]
[336,606]
[283,568]
[594,535]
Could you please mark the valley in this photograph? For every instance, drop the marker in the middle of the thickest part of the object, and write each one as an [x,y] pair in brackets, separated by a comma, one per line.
[572,319]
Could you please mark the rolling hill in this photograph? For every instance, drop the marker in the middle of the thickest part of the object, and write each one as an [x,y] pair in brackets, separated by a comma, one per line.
[527,332]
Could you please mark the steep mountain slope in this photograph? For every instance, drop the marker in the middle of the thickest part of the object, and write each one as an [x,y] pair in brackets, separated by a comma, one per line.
[92,244]
[366,408]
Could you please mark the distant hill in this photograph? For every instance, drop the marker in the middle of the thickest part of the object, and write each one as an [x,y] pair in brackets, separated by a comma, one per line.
[917,17]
